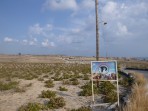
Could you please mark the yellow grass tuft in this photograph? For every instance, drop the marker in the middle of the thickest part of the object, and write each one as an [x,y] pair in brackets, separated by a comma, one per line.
[139,96]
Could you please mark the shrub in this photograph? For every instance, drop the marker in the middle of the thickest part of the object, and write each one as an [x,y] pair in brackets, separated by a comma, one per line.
[66,76]
[86,77]
[119,75]
[138,98]
[45,76]
[126,81]
[49,83]
[77,76]
[29,76]
[83,108]
[56,103]
[106,87]
[108,90]
[73,79]
[31,107]
[7,86]
[75,82]
[40,79]
[110,97]
[28,85]
[139,79]
[56,78]
[20,89]
[87,90]
[62,88]
[66,82]
[48,94]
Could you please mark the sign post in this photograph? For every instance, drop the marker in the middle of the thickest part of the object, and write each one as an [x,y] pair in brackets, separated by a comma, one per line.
[104,71]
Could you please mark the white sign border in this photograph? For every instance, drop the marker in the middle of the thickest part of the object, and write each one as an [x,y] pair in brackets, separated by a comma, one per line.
[105,80]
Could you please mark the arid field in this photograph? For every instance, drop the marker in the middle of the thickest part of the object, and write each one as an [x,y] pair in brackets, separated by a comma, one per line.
[47,83]
[24,78]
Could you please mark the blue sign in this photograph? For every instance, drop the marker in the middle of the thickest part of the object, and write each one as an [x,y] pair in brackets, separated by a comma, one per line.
[104,70]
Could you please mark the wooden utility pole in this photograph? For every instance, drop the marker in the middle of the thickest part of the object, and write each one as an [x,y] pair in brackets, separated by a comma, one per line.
[97,30]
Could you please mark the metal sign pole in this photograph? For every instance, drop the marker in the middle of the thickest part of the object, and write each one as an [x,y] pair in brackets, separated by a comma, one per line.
[110,68]
[117,86]
[92,84]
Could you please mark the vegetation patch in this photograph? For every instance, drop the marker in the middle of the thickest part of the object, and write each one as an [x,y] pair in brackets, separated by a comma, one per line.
[56,103]
[40,79]
[106,87]
[75,82]
[66,82]
[28,85]
[20,89]
[138,98]
[49,83]
[86,77]
[32,107]
[9,85]
[57,78]
[111,97]
[108,90]
[87,90]
[48,94]
[62,88]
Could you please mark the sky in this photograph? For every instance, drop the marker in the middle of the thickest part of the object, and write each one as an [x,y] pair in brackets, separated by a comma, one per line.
[67,27]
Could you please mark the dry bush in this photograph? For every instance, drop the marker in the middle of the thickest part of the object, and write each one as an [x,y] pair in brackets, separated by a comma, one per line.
[63,88]
[48,94]
[49,83]
[87,89]
[139,79]
[31,107]
[56,103]
[8,86]
[138,98]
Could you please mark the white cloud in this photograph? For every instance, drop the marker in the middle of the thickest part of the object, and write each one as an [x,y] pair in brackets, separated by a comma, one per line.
[48,44]
[8,39]
[25,42]
[64,39]
[125,19]
[36,29]
[52,44]
[32,41]
[122,30]
[88,4]
[110,7]
[60,4]
[45,43]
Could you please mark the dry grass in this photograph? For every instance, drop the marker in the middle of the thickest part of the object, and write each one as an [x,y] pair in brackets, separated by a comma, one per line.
[139,96]
[139,79]
[143,65]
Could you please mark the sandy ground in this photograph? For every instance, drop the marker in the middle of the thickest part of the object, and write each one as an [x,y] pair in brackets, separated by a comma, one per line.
[31,59]
[11,101]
